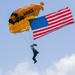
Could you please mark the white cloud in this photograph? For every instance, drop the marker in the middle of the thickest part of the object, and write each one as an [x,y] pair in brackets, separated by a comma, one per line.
[65,66]
[23,69]
[1,72]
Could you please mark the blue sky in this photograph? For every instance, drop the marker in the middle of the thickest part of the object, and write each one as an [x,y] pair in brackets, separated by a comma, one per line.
[56,47]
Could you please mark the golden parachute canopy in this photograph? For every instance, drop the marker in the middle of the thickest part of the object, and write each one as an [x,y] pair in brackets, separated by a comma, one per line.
[19,19]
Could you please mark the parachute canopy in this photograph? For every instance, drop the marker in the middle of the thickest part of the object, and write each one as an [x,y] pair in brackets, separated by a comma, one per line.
[19,19]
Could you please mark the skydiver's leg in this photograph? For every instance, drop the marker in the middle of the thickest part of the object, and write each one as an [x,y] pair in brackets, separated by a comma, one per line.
[34,59]
[35,54]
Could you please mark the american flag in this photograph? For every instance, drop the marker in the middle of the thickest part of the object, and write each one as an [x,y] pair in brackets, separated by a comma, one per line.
[51,22]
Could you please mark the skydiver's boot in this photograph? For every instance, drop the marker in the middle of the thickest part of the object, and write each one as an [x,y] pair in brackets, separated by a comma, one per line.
[34,59]
[35,62]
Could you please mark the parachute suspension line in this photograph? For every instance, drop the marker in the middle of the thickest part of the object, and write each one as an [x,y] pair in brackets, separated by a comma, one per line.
[30,37]
[25,39]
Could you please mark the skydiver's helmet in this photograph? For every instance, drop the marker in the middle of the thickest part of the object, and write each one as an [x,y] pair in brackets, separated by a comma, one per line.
[33,45]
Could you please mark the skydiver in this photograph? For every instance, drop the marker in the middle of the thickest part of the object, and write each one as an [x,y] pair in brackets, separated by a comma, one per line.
[35,52]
